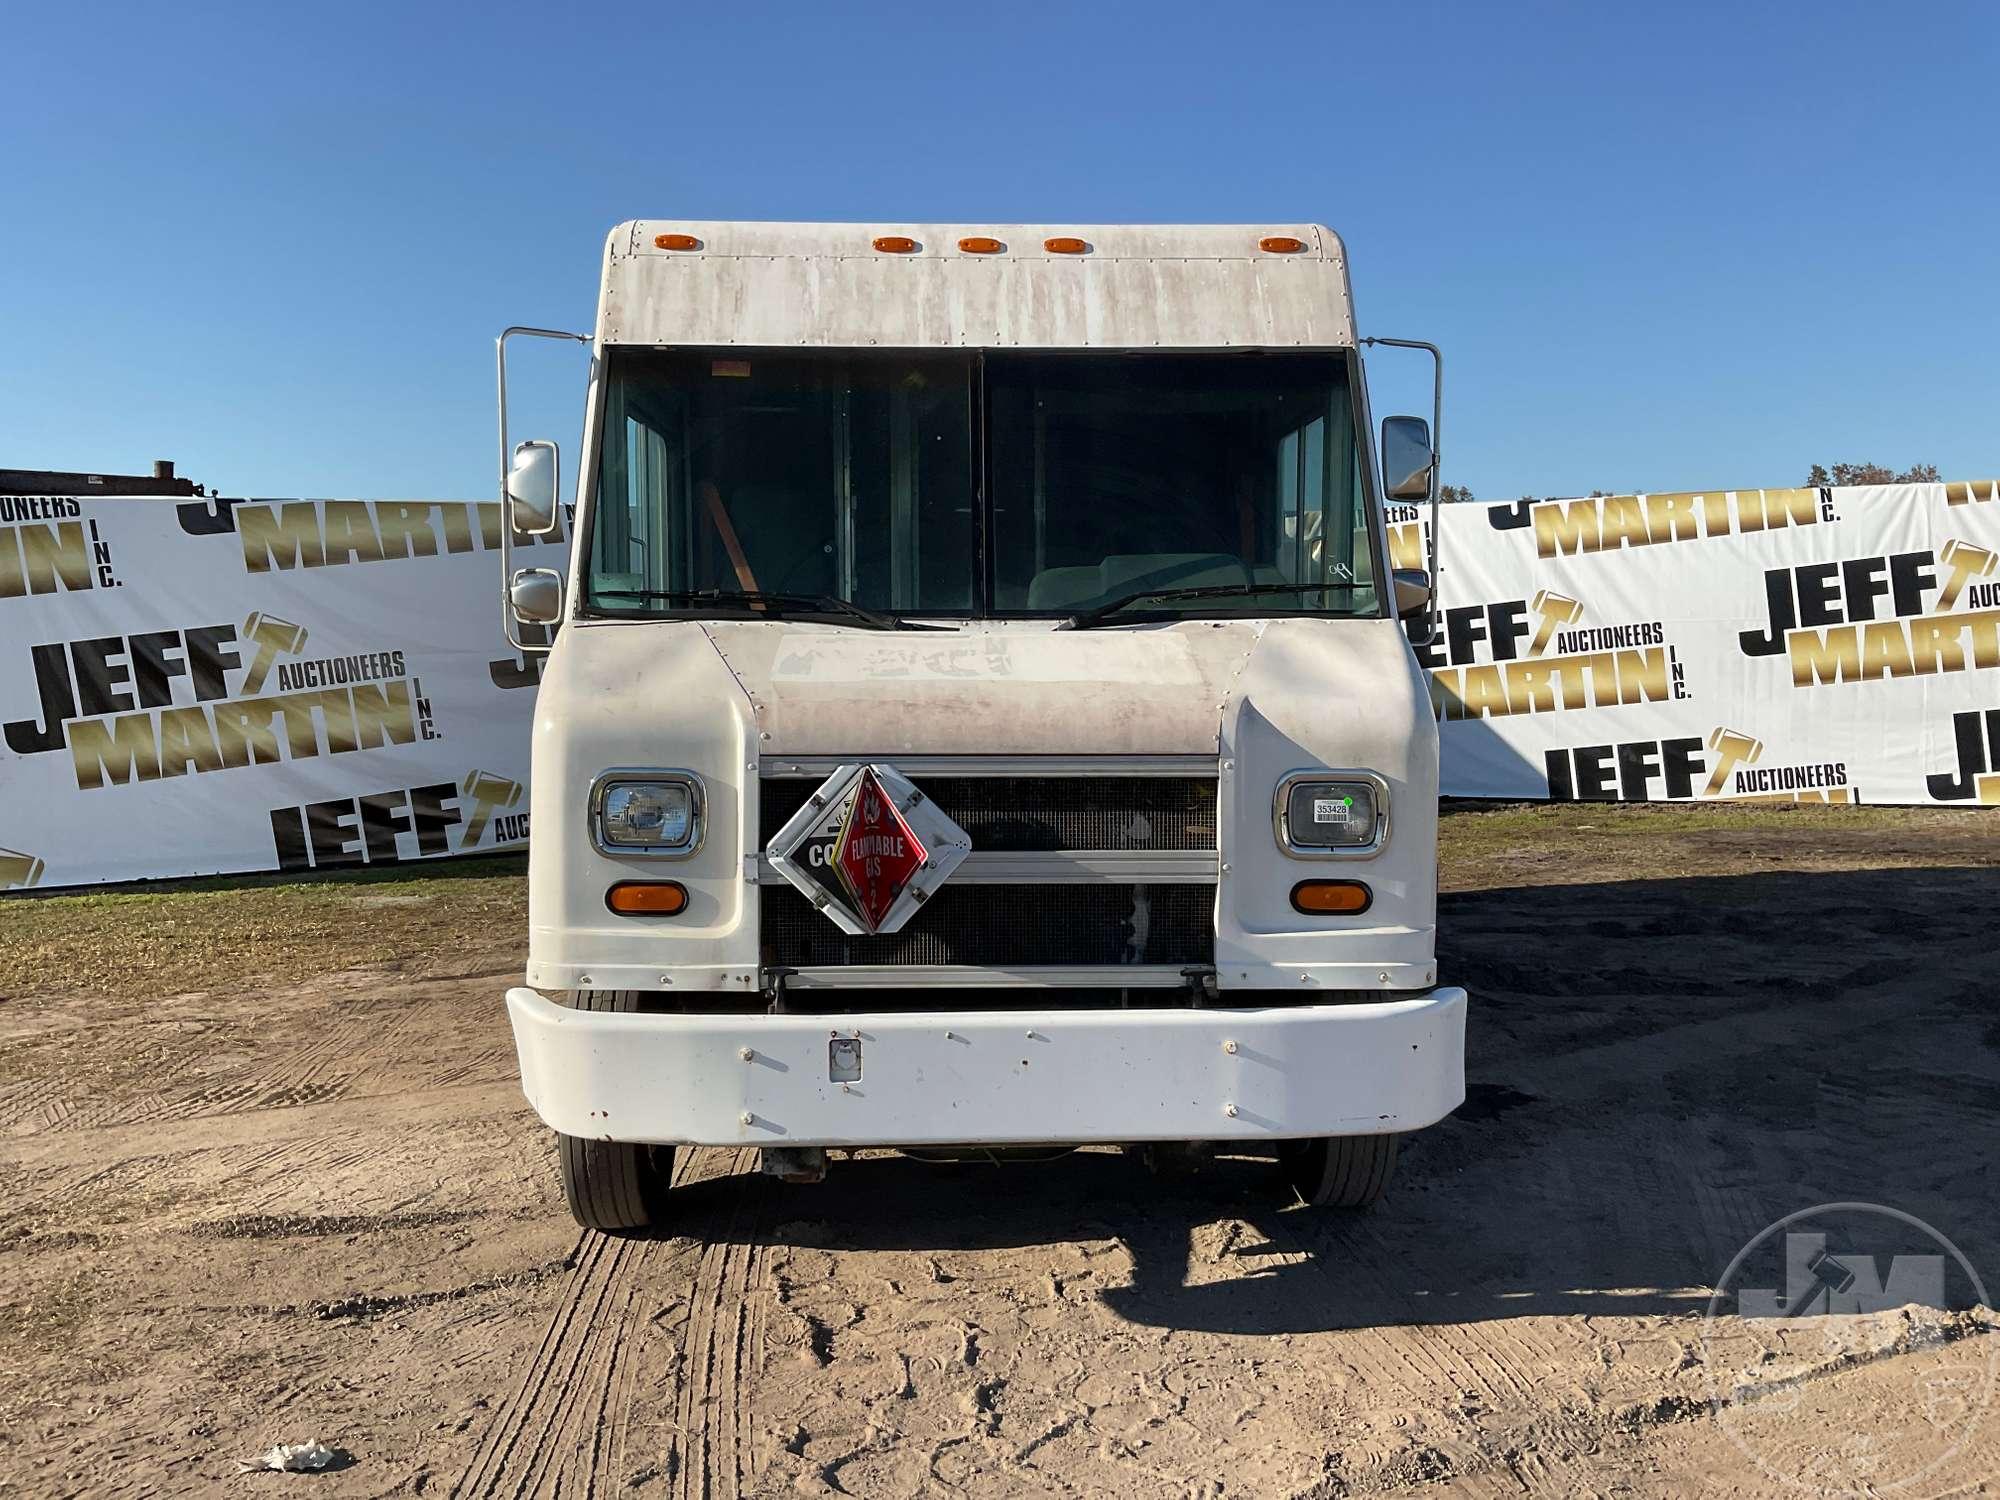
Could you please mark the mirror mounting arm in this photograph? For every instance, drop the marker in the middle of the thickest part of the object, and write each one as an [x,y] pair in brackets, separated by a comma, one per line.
[507,616]
[1437,449]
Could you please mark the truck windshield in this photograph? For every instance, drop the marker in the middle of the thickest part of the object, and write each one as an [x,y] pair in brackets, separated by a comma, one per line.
[793,474]
[1118,473]
[863,477]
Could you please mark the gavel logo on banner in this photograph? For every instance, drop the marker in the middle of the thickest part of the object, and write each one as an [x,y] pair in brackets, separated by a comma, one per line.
[271,635]
[1556,610]
[18,871]
[1732,748]
[1966,562]
[487,792]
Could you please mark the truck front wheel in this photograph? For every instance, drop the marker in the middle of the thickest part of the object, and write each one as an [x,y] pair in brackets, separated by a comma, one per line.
[1341,1171]
[613,1185]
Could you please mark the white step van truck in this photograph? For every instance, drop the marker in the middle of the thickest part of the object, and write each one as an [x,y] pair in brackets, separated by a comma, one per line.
[978,713]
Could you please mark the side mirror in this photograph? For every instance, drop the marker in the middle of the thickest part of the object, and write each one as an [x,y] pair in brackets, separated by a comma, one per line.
[1406,458]
[532,487]
[535,595]
[1413,592]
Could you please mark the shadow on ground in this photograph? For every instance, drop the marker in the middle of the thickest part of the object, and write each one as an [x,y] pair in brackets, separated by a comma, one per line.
[1658,1070]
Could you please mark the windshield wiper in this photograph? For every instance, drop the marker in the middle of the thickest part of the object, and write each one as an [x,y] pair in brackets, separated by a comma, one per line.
[795,606]
[1098,614]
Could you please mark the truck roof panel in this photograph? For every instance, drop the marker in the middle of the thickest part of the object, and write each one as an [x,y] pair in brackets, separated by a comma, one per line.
[1134,286]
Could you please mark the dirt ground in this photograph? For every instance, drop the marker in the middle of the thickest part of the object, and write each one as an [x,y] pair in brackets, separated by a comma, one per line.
[236,1211]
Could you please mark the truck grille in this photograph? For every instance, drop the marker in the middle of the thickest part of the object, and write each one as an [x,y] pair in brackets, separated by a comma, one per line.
[1006,926]
[1018,814]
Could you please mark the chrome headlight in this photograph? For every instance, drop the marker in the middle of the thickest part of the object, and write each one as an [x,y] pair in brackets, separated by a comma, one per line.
[1321,813]
[646,813]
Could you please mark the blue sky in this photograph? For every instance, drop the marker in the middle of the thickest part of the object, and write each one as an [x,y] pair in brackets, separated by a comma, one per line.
[1663,247]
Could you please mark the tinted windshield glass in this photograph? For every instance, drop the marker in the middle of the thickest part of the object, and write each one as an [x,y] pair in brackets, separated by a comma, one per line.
[1113,474]
[788,474]
[856,476]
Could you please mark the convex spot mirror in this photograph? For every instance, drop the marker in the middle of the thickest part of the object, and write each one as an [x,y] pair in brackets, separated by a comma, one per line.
[1413,592]
[532,487]
[1406,458]
[535,595]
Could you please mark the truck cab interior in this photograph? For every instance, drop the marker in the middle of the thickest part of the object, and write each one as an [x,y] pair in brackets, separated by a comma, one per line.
[947,484]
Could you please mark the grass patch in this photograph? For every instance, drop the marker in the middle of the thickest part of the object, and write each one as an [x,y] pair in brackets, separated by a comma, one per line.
[1641,819]
[48,1315]
[1486,845]
[237,931]
[471,915]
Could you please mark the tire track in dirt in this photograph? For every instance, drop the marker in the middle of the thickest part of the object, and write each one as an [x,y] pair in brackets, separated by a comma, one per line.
[309,1126]
[494,1065]
[1419,1374]
[34,1096]
[1446,1358]
[203,1101]
[90,1180]
[506,1461]
[568,1427]
[127,1109]
[712,1455]
[318,1070]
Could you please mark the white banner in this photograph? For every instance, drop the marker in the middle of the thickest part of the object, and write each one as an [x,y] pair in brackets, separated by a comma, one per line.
[193,687]
[1837,645]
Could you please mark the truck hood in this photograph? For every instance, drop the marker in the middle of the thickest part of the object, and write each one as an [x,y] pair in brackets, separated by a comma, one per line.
[731,701]
[987,689]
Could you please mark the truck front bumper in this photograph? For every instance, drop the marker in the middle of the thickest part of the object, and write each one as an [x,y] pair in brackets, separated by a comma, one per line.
[993,1077]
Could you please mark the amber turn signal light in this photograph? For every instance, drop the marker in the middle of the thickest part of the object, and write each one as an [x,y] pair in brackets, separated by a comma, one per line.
[647,898]
[895,244]
[676,242]
[1064,244]
[1280,244]
[979,244]
[1321,898]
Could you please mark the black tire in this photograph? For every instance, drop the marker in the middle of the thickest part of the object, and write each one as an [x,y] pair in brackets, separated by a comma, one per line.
[1341,1171]
[613,1185]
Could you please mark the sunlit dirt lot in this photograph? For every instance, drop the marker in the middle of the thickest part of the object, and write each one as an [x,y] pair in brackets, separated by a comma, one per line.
[266,1176]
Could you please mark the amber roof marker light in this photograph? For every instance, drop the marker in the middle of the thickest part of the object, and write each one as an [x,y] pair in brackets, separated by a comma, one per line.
[675,242]
[1281,244]
[894,244]
[981,244]
[1066,244]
